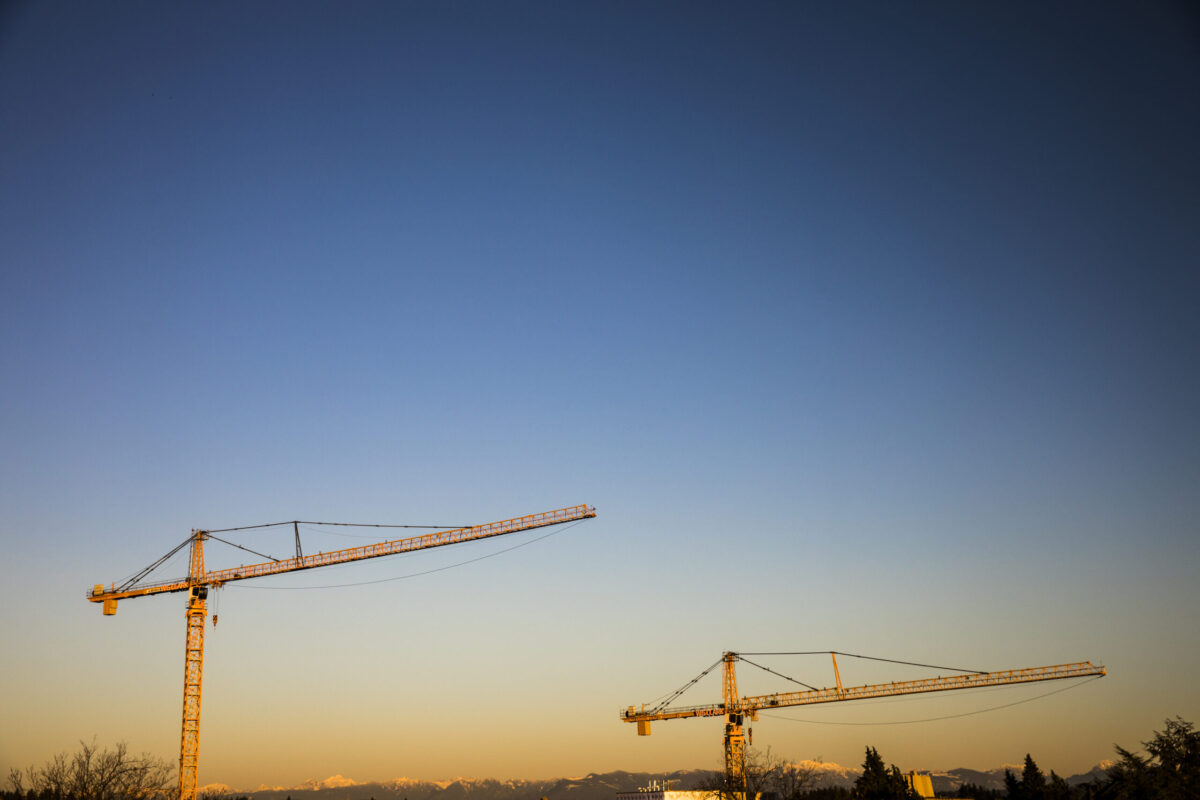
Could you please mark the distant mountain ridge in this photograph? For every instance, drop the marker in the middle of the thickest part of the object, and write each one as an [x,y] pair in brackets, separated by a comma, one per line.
[590,787]
[594,786]
[947,781]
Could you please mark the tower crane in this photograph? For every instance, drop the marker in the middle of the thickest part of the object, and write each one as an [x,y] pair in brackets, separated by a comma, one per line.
[199,581]
[737,709]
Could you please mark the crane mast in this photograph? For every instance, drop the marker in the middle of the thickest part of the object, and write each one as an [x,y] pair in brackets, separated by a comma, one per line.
[736,709]
[735,740]
[193,671]
[199,581]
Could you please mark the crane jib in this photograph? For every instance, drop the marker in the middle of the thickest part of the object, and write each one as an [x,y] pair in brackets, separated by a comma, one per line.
[99,594]
[835,694]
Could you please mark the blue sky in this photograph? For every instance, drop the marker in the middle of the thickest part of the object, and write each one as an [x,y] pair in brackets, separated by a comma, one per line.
[864,327]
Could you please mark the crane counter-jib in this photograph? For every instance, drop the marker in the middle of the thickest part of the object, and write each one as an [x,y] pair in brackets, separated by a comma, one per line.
[632,715]
[98,594]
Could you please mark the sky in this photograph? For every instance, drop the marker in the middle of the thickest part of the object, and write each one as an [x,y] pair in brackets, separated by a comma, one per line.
[864,327]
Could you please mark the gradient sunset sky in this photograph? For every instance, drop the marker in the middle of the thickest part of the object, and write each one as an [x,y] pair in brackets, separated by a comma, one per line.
[867,327]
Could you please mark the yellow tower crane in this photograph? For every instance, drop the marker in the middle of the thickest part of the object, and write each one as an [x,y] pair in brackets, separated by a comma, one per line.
[737,709]
[199,581]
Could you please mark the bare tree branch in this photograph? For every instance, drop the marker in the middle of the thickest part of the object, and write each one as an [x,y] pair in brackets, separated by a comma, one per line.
[91,773]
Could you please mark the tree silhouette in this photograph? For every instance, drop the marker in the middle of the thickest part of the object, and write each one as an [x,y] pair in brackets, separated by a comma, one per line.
[1170,772]
[765,773]
[1058,788]
[94,774]
[1033,782]
[1012,787]
[880,783]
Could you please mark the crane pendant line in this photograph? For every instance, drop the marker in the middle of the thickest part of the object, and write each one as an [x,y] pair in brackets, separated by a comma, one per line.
[736,709]
[199,581]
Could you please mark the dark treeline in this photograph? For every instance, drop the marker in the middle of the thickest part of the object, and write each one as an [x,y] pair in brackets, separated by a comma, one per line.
[1167,769]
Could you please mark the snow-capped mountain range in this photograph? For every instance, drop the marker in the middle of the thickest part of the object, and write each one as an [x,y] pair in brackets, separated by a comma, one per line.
[590,787]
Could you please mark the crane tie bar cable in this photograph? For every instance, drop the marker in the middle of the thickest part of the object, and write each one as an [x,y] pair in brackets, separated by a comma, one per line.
[343,524]
[239,547]
[780,674]
[139,575]
[675,695]
[870,658]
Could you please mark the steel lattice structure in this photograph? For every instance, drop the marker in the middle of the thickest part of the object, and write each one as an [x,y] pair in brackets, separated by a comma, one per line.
[737,709]
[199,581]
